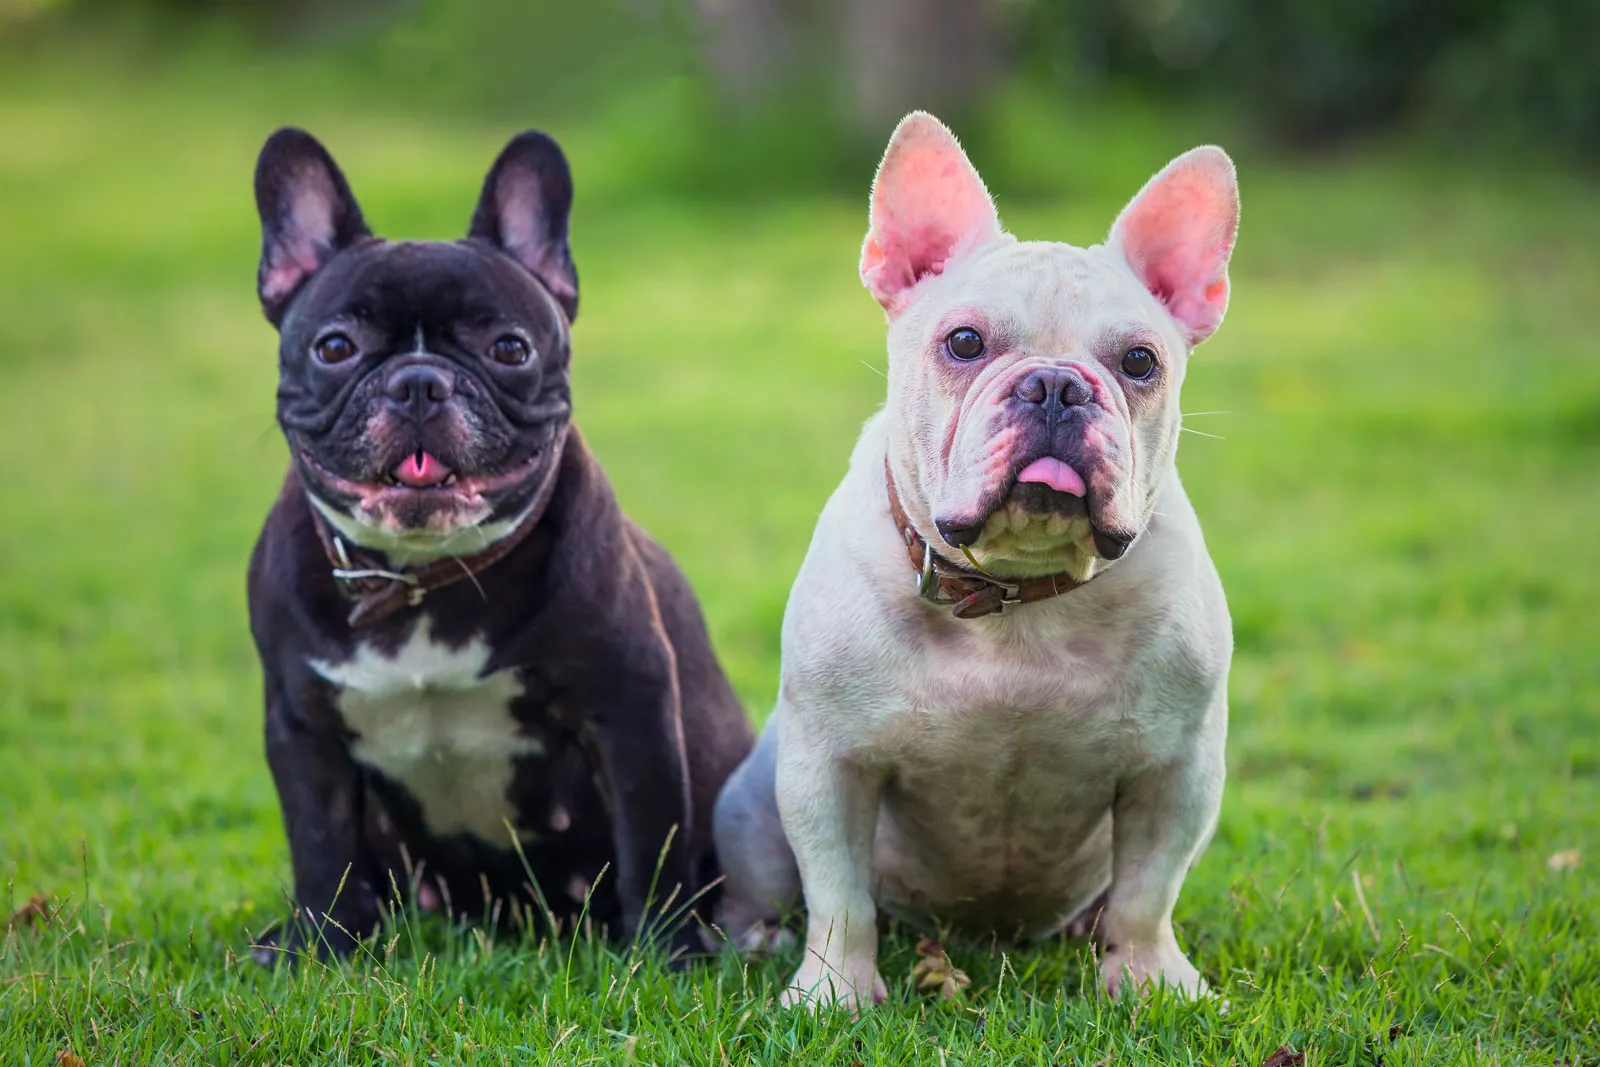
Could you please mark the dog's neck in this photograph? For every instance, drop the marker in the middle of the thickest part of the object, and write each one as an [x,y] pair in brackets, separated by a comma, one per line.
[412,548]
[381,582]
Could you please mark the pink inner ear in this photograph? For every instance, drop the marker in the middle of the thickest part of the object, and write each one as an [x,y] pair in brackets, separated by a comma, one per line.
[521,220]
[1177,235]
[309,232]
[289,267]
[929,207]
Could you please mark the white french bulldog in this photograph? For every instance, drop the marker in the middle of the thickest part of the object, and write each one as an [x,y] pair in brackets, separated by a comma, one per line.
[1005,659]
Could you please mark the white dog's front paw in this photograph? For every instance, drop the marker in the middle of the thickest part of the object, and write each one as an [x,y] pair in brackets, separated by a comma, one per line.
[1132,966]
[852,985]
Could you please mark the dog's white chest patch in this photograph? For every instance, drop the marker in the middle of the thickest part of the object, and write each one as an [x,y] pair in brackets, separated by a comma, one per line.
[430,719]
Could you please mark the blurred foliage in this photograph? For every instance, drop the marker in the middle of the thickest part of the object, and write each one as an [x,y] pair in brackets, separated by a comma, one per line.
[736,98]
[484,57]
[1319,69]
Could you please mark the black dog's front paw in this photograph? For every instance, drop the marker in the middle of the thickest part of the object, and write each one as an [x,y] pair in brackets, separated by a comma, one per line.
[300,935]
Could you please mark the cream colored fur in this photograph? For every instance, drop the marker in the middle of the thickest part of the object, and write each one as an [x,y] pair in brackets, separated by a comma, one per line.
[430,719]
[1000,773]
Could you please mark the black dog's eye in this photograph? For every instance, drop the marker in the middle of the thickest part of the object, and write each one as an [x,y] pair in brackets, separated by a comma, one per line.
[1138,363]
[965,343]
[334,348]
[511,350]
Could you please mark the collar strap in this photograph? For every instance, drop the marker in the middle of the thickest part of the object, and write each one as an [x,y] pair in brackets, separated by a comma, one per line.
[377,591]
[973,594]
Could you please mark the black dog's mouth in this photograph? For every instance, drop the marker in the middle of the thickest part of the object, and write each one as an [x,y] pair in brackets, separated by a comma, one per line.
[421,470]
[420,477]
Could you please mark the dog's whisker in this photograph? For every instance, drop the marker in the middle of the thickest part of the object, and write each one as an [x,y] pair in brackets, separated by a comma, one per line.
[473,578]
[1194,414]
[1202,433]
[875,370]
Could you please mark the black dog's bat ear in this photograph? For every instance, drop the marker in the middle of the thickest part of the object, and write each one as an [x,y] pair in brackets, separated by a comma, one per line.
[526,200]
[307,215]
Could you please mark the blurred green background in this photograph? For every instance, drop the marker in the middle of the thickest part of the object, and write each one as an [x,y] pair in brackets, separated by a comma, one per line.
[1396,458]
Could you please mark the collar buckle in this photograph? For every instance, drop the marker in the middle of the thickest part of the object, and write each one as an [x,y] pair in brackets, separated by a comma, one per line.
[928,579]
[349,577]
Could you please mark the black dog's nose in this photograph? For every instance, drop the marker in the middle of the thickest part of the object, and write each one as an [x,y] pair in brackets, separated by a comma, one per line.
[1055,388]
[419,389]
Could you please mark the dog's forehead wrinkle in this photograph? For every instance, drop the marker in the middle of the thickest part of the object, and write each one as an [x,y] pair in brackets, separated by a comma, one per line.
[1037,295]
[456,281]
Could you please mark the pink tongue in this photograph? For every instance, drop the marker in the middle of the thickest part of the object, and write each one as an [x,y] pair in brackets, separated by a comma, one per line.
[1054,473]
[421,470]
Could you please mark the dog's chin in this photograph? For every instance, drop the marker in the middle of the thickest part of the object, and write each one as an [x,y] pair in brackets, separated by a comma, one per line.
[1036,530]
[412,524]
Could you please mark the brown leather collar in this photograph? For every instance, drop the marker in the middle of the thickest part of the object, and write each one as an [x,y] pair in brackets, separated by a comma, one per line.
[378,592]
[972,594]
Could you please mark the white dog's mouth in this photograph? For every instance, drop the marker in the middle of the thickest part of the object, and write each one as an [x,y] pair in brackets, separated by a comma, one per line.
[1055,473]
[1055,487]
[1046,502]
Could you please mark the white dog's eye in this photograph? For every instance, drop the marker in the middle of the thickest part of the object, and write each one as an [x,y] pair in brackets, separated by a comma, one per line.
[1139,363]
[965,343]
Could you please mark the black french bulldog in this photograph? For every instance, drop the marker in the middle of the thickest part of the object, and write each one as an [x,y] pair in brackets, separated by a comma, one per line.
[463,638]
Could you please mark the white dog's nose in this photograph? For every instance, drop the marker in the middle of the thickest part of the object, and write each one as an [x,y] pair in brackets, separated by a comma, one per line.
[1055,388]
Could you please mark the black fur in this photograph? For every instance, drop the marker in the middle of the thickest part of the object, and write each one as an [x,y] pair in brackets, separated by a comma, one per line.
[638,723]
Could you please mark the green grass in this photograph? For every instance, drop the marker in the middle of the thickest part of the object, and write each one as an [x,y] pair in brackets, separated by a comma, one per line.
[1403,505]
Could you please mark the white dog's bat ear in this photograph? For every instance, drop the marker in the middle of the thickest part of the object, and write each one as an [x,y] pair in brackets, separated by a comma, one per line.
[929,208]
[307,215]
[1178,233]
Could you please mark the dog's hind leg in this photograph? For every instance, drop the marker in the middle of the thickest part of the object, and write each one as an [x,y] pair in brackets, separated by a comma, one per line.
[761,878]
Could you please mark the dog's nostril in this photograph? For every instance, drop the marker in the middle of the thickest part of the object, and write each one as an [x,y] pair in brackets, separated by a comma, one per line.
[1075,391]
[1032,390]
[1054,388]
[420,387]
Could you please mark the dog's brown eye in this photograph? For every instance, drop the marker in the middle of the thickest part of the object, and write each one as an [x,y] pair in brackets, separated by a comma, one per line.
[334,348]
[965,343]
[1138,363]
[511,350]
